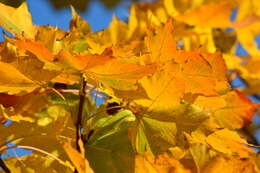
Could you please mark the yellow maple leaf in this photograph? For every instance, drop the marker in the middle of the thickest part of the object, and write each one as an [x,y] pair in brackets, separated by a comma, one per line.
[14,82]
[17,21]
[208,15]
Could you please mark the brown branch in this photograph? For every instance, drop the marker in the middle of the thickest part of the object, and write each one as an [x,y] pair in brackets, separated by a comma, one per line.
[4,167]
[82,95]
[78,124]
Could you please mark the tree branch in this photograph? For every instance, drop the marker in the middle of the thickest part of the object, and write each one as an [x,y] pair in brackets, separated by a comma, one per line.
[82,95]
[4,167]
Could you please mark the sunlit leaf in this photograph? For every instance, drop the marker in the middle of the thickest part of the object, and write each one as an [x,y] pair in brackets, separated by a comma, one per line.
[209,15]
[13,82]
[17,20]
[37,49]
[228,142]
[232,110]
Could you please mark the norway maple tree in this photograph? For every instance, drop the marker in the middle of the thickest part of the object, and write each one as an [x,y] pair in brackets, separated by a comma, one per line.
[164,77]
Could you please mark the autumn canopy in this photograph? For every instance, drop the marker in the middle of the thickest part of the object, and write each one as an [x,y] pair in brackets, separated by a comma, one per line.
[165,79]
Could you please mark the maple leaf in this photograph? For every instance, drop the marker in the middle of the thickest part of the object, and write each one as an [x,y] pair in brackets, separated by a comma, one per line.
[105,68]
[77,24]
[230,143]
[150,130]
[37,49]
[247,22]
[201,155]
[22,107]
[54,39]
[207,15]
[230,165]
[23,73]
[161,46]
[37,133]
[110,139]
[17,21]
[161,164]
[232,110]
[16,82]
[180,75]
[82,63]
[124,71]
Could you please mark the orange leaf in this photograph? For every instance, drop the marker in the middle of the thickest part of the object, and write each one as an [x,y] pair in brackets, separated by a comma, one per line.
[162,46]
[232,110]
[181,71]
[163,88]
[209,15]
[83,62]
[190,72]
[35,48]
[197,73]
[122,70]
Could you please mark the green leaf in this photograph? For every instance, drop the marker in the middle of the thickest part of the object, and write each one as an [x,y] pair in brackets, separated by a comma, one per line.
[109,149]
[155,135]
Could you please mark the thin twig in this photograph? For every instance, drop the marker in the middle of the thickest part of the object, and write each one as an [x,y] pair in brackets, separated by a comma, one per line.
[74,91]
[17,157]
[39,150]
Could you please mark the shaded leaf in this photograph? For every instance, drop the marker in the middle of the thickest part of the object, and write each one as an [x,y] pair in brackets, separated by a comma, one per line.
[109,148]
[160,164]
[77,159]
[35,163]
[230,165]
[155,135]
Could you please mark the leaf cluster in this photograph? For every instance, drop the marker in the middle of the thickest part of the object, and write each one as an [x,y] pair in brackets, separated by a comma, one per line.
[164,78]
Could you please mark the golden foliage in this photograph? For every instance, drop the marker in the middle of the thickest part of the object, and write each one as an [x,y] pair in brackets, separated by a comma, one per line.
[168,71]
